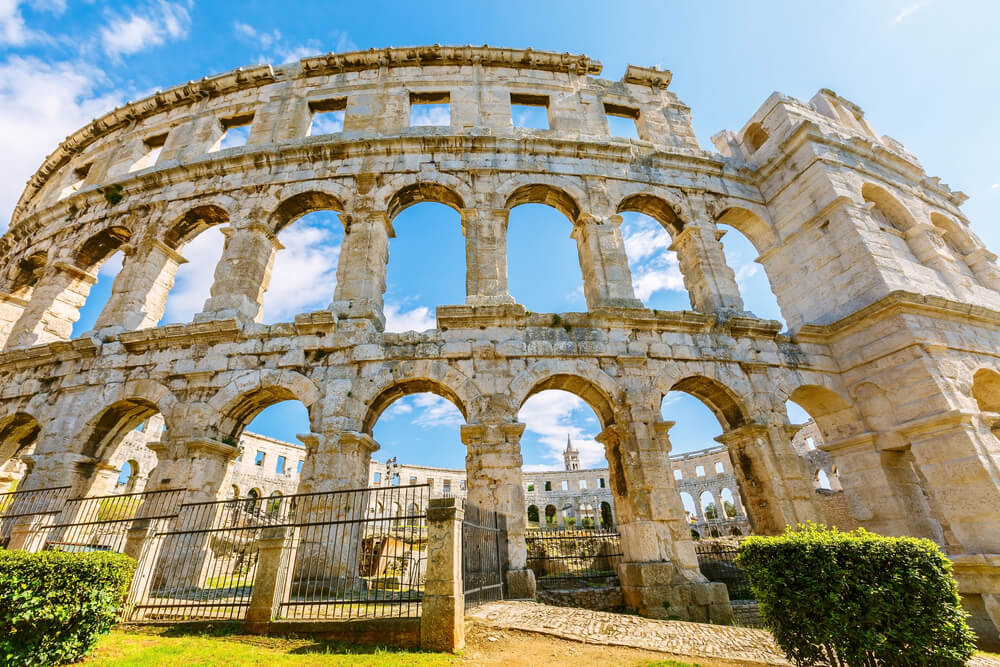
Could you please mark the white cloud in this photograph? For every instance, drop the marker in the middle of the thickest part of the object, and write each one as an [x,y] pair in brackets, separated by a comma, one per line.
[194,279]
[13,30]
[654,266]
[275,50]
[995,186]
[150,27]
[433,411]
[416,319]
[552,415]
[305,272]
[40,104]
[908,11]
[430,114]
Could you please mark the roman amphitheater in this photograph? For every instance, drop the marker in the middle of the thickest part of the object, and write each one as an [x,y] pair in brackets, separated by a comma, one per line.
[891,301]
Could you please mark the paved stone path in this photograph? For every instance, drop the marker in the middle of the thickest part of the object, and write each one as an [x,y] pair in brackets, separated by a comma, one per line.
[699,640]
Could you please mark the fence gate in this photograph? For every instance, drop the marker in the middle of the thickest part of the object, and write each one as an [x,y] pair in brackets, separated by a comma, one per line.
[484,555]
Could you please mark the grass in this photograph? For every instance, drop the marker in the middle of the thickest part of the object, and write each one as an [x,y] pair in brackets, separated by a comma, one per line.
[173,647]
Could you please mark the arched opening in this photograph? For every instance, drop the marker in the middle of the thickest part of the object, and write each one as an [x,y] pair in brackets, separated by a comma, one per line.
[822,480]
[560,434]
[198,236]
[418,424]
[891,217]
[607,516]
[100,254]
[728,501]
[751,278]
[543,258]
[270,451]
[533,515]
[649,225]
[958,242]
[835,418]
[18,436]
[550,516]
[119,437]
[736,532]
[426,257]
[709,510]
[304,274]
[25,274]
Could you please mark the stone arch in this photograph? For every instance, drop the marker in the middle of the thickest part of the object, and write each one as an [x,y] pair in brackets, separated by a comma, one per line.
[752,225]
[423,191]
[954,235]
[724,403]
[986,389]
[192,223]
[890,208]
[108,427]
[246,396]
[540,193]
[655,207]
[551,514]
[18,431]
[835,417]
[300,204]
[596,388]
[400,388]
[100,246]
[533,512]
[24,274]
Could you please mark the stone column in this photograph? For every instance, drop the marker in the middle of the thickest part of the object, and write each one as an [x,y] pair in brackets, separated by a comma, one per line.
[659,570]
[709,280]
[607,280]
[772,477]
[494,482]
[486,256]
[242,274]
[442,616]
[11,309]
[139,294]
[364,256]
[54,307]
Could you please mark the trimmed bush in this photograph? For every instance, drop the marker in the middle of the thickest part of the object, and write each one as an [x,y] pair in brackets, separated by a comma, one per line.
[857,598]
[54,606]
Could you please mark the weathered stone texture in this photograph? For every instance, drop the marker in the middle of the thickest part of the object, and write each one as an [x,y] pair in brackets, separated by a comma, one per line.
[890,299]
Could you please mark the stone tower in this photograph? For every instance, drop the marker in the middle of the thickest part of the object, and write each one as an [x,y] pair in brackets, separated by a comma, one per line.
[571,457]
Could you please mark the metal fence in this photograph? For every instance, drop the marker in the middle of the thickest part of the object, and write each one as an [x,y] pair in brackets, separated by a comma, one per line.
[358,553]
[718,563]
[103,523]
[33,508]
[335,555]
[484,555]
[574,554]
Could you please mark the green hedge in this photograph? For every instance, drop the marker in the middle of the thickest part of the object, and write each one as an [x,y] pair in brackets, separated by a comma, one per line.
[54,606]
[857,598]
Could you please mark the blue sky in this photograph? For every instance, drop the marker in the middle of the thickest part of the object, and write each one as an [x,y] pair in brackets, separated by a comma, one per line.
[925,72]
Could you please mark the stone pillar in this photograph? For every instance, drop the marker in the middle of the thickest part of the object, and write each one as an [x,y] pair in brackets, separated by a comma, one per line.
[486,256]
[710,281]
[957,457]
[54,307]
[442,616]
[268,581]
[494,482]
[242,274]
[11,309]
[772,477]
[607,280]
[361,269]
[139,294]
[659,570]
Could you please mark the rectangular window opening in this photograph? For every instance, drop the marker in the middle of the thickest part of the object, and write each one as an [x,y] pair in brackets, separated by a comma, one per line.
[327,116]
[565,485]
[298,468]
[79,176]
[395,479]
[430,109]
[461,484]
[259,459]
[153,148]
[377,478]
[529,111]
[622,121]
[600,482]
[699,471]
[413,480]
[583,484]
[280,467]
[531,487]
[235,132]
[678,474]
[719,468]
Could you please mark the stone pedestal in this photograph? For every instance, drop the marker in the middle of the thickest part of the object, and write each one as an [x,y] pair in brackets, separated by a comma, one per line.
[521,584]
[268,587]
[659,590]
[442,616]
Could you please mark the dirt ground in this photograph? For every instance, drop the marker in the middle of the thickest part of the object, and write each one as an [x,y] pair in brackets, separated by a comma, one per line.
[512,648]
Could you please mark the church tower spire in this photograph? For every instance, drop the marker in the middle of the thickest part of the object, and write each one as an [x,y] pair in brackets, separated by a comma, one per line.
[571,457]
